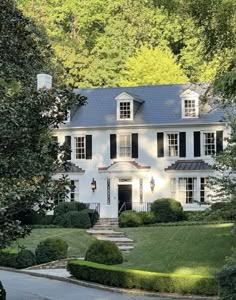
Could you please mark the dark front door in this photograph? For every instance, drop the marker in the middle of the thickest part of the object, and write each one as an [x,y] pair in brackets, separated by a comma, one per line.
[125,197]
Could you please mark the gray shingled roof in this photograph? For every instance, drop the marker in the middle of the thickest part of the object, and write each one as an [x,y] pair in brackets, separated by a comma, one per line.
[69,168]
[162,106]
[189,165]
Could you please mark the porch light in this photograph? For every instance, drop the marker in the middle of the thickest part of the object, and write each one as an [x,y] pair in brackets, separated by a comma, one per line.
[93,185]
[152,184]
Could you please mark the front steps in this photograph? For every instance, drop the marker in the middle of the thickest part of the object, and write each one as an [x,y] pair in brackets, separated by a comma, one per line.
[103,230]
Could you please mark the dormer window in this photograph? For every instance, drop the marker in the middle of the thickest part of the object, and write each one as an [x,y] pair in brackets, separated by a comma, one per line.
[190,104]
[125,110]
[127,106]
[190,110]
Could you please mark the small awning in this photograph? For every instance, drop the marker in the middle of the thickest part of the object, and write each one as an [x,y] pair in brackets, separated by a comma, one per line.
[69,168]
[189,165]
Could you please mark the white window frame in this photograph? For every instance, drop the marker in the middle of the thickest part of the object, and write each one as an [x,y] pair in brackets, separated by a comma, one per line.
[177,190]
[189,95]
[119,145]
[119,102]
[75,146]
[205,144]
[167,134]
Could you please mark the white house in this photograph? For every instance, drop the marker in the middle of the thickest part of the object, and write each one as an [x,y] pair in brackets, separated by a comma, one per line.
[133,145]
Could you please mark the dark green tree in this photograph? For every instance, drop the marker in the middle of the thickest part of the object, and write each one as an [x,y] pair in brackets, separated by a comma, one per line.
[27,118]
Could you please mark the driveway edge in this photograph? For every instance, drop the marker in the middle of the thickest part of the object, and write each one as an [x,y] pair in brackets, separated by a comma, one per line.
[111,289]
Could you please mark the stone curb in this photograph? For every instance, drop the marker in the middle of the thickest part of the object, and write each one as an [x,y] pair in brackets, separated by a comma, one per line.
[111,289]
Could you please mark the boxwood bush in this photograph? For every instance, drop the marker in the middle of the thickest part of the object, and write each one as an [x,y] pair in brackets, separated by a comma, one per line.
[8,259]
[2,292]
[129,218]
[126,278]
[227,282]
[167,210]
[104,252]
[74,219]
[25,258]
[65,207]
[51,249]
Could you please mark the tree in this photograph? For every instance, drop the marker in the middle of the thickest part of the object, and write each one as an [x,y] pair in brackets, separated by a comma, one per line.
[27,117]
[152,66]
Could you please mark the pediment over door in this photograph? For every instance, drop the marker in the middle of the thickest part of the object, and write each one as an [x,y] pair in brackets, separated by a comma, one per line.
[124,166]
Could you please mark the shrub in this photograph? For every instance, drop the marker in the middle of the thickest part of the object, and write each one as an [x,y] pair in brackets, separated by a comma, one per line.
[129,219]
[51,249]
[227,282]
[25,258]
[196,215]
[74,219]
[218,205]
[93,215]
[147,217]
[65,207]
[104,252]
[2,292]
[167,210]
[160,282]
[8,259]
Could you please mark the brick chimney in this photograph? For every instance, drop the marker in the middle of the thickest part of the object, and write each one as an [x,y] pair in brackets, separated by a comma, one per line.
[44,81]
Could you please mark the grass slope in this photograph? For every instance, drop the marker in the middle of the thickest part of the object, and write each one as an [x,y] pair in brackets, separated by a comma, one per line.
[77,239]
[199,249]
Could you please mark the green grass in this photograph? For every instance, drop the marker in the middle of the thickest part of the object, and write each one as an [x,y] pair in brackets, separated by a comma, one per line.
[199,249]
[77,239]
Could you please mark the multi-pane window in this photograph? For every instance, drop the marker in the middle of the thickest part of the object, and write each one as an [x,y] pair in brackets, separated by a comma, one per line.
[209,143]
[187,190]
[80,151]
[125,145]
[190,108]
[173,144]
[125,110]
[203,190]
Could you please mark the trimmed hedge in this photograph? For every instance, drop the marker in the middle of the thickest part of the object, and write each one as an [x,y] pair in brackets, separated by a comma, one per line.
[130,218]
[74,219]
[8,259]
[2,292]
[127,278]
[25,259]
[227,282]
[65,207]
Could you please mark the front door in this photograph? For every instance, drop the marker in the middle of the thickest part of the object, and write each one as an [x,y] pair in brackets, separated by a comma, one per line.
[125,197]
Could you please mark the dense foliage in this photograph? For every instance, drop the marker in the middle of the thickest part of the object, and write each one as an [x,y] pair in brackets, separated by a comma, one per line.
[51,249]
[28,159]
[104,252]
[25,258]
[134,219]
[127,278]
[227,282]
[94,40]
[64,207]
[167,210]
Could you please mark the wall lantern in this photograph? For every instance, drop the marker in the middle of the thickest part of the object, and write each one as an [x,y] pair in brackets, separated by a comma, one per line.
[152,184]
[93,185]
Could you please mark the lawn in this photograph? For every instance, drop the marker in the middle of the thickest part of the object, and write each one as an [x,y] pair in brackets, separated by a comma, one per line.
[77,239]
[199,249]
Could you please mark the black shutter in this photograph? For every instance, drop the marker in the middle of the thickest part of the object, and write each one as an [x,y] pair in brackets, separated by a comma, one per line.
[88,147]
[55,146]
[197,143]
[134,145]
[182,144]
[113,146]
[68,147]
[219,141]
[160,144]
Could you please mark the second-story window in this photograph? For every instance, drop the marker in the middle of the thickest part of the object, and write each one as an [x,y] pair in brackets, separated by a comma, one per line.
[125,110]
[125,146]
[80,150]
[209,143]
[173,148]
